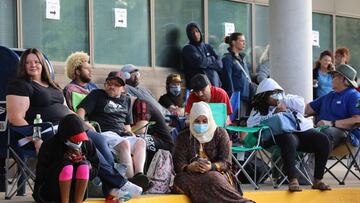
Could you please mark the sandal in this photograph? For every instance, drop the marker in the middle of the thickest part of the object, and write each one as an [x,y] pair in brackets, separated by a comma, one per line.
[294,186]
[321,186]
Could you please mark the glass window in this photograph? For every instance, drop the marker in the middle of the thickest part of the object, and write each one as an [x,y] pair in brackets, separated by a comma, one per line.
[323,24]
[171,18]
[56,38]
[348,35]
[262,37]
[122,45]
[221,12]
[8,23]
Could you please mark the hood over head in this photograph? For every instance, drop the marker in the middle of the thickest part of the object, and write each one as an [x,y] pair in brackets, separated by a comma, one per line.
[188,32]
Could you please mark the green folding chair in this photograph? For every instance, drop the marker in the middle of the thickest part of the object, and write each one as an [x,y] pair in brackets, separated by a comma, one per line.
[252,143]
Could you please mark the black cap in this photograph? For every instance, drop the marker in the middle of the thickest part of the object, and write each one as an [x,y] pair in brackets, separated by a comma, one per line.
[71,128]
[118,75]
[199,82]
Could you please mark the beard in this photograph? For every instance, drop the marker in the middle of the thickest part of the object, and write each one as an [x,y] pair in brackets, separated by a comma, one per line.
[84,78]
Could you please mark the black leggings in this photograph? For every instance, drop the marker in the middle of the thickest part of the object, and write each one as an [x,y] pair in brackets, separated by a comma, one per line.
[310,141]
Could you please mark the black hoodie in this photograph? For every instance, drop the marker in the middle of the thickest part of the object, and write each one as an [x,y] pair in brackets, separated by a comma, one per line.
[199,57]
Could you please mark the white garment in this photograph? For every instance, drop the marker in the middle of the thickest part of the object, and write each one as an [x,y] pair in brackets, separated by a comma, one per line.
[202,109]
[292,103]
[114,139]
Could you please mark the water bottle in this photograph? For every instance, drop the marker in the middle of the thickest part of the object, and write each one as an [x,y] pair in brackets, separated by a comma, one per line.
[37,129]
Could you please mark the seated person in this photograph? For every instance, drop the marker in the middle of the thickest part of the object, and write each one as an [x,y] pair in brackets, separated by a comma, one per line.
[78,71]
[337,109]
[34,92]
[173,99]
[111,108]
[158,135]
[132,87]
[202,160]
[66,162]
[269,100]
[202,90]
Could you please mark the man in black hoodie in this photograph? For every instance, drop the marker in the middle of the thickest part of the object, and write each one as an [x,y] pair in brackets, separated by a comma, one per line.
[199,57]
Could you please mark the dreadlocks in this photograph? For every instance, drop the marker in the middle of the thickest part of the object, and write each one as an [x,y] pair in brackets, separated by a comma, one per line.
[260,102]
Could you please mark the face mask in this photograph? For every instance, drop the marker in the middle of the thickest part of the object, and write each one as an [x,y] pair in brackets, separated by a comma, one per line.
[200,128]
[175,90]
[277,96]
[73,145]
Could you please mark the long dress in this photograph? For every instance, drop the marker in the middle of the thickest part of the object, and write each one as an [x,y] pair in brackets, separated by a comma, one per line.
[212,186]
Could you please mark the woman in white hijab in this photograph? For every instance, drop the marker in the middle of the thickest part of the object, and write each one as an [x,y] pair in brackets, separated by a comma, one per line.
[202,160]
[269,100]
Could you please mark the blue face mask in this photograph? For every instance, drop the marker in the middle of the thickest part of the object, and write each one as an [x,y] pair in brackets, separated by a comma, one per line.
[200,128]
[73,145]
[175,90]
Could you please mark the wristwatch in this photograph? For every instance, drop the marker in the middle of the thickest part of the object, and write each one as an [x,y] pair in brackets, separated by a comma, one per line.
[333,123]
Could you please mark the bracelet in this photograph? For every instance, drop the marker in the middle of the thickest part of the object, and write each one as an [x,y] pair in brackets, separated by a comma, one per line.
[333,123]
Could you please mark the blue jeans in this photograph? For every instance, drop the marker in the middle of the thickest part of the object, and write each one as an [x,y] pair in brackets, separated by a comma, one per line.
[101,145]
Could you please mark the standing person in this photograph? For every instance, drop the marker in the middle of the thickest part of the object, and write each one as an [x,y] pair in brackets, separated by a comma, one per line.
[342,56]
[79,71]
[322,80]
[338,109]
[173,99]
[202,160]
[66,162]
[236,75]
[269,100]
[199,57]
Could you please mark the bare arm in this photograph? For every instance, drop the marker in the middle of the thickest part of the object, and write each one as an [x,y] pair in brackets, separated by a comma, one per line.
[81,113]
[347,123]
[16,108]
[138,125]
[309,111]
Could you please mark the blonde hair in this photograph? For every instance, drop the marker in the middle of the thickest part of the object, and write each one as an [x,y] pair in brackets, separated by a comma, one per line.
[74,61]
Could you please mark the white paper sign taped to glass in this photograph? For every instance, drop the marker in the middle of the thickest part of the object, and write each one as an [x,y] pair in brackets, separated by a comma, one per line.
[53,9]
[120,17]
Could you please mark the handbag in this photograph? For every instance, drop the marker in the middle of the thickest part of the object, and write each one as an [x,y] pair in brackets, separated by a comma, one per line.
[280,123]
[252,85]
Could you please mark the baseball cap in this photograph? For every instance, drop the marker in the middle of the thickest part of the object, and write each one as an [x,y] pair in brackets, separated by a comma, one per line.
[173,78]
[71,127]
[199,82]
[118,75]
[129,68]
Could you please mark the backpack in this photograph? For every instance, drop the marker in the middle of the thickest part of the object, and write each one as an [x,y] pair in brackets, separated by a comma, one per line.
[161,172]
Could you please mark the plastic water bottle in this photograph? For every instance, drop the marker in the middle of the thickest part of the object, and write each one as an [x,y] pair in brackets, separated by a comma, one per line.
[37,129]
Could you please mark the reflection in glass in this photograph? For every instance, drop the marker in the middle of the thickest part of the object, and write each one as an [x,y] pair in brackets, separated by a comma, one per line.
[8,23]
[171,18]
[323,24]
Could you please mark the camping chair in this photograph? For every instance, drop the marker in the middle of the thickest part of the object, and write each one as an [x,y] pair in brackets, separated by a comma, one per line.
[220,116]
[344,153]
[24,175]
[76,99]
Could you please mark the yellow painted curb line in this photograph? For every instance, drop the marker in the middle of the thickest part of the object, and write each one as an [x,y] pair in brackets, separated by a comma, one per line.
[339,195]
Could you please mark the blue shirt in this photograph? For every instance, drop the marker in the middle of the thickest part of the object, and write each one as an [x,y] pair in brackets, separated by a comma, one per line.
[325,84]
[337,106]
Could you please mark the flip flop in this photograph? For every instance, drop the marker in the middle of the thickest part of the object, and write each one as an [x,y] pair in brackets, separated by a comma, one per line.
[321,186]
[294,187]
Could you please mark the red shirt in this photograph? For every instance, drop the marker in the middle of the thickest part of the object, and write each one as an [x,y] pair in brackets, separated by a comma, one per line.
[218,95]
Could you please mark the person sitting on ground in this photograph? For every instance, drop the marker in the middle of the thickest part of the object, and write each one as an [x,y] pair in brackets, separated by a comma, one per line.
[111,108]
[173,99]
[66,162]
[338,109]
[158,135]
[269,100]
[202,90]
[78,71]
[132,81]
[34,92]
[202,160]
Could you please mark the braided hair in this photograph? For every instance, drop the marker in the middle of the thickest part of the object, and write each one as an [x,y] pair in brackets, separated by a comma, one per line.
[260,102]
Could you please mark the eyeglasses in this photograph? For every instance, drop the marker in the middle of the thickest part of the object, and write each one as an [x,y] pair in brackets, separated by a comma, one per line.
[135,74]
[111,83]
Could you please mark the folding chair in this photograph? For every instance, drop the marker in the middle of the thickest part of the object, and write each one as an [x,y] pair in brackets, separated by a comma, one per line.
[24,175]
[346,152]
[220,116]
[76,99]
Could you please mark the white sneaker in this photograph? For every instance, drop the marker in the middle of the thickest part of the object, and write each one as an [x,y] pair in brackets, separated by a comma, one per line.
[129,189]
